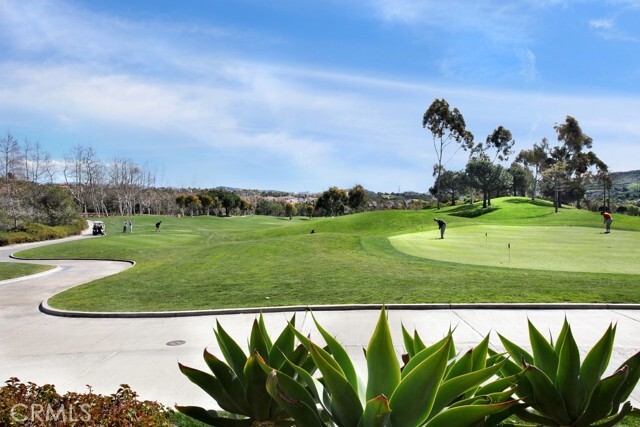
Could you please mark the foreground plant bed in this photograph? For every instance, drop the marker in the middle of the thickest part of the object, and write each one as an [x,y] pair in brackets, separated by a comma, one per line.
[32,405]
[316,385]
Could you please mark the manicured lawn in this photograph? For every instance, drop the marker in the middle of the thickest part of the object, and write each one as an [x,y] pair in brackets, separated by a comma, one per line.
[559,248]
[207,262]
[10,270]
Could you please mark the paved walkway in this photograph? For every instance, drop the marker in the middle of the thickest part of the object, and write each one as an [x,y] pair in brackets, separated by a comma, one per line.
[106,352]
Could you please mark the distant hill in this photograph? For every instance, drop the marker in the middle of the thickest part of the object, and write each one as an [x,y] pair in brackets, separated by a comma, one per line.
[625,191]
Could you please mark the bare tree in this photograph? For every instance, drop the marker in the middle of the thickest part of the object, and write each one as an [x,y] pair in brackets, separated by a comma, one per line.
[10,158]
[85,176]
[126,179]
[38,167]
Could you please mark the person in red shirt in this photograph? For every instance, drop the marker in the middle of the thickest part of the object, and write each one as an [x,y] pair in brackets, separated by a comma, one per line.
[607,221]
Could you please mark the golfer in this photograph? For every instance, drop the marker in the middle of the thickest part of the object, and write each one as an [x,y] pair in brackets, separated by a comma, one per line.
[607,221]
[441,225]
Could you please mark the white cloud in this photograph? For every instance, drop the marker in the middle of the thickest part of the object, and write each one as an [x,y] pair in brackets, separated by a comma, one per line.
[311,125]
[602,24]
[529,71]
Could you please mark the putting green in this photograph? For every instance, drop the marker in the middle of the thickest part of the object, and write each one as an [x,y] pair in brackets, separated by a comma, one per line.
[538,248]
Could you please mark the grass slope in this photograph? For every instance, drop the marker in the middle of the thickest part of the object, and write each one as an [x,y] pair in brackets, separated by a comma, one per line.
[207,262]
[11,270]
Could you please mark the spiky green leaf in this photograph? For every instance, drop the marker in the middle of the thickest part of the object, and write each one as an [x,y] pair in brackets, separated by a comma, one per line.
[376,413]
[345,403]
[382,363]
[283,346]
[633,363]
[602,398]
[568,380]
[258,341]
[233,354]
[213,387]
[462,366]
[544,355]
[456,386]
[257,396]
[516,352]
[412,401]
[408,341]
[265,333]
[232,385]
[596,362]
[340,355]
[424,354]
[211,417]
[480,354]
[469,415]
[498,385]
[544,398]
[295,399]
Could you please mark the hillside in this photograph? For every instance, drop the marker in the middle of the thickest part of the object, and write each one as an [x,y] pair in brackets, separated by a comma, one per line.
[625,191]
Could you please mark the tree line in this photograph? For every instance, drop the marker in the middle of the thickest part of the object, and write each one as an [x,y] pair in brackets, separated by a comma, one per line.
[558,172]
[35,188]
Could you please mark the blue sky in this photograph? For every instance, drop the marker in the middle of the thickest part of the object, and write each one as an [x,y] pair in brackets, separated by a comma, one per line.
[301,96]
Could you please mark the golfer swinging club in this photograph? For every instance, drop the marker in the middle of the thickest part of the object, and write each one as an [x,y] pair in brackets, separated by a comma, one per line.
[441,225]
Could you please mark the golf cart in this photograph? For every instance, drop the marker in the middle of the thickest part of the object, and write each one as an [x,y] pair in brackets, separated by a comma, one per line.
[98,228]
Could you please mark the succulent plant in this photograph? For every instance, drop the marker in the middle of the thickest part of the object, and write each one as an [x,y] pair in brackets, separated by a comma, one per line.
[559,390]
[239,384]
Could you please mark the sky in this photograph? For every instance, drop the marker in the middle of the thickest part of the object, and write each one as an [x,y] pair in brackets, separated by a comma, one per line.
[301,96]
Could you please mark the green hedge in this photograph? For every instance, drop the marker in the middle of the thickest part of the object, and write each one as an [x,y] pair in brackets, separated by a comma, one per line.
[35,232]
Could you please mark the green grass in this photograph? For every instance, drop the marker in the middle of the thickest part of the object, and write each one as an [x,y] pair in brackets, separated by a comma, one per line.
[207,262]
[11,270]
[559,248]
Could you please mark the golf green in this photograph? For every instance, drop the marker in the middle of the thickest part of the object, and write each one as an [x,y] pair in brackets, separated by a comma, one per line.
[554,248]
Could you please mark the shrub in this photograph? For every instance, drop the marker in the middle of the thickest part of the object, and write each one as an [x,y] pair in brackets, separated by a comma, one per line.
[35,232]
[238,386]
[32,405]
[432,389]
[559,390]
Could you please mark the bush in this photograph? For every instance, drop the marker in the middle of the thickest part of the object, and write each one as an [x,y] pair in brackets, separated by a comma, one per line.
[35,232]
[436,387]
[31,405]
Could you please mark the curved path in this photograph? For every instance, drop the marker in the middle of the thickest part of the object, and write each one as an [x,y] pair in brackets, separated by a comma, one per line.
[143,352]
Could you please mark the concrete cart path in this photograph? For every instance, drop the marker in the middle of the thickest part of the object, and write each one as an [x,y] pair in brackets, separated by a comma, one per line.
[144,352]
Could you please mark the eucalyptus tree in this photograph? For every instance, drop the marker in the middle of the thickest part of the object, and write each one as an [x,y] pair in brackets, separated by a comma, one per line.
[522,178]
[228,200]
[556,176]
[450,183]
[357,198]
[290,210]
[578,160]
[332,202]
[486,176]
[536,158]
[206,201]
[447,127]
[501,141]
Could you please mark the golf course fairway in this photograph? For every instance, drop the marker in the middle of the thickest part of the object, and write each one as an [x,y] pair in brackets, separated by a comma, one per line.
[556,248]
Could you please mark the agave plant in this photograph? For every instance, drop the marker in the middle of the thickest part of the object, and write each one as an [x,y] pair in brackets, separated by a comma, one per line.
[239,385]
[431,389]
[561,391]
